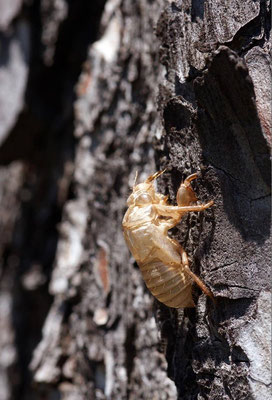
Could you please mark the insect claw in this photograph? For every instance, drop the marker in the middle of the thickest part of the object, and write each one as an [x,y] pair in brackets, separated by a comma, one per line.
[190,178]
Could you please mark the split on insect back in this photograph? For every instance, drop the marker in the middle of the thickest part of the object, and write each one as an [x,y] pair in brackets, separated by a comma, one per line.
[162,260]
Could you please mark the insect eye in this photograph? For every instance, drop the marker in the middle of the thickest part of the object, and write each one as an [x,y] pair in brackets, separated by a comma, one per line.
[143,199]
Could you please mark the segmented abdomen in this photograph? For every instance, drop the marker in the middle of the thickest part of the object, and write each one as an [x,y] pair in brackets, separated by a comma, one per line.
[168,283]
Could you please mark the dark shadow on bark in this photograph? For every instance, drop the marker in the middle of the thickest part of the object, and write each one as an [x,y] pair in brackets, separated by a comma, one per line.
[195,351]
[243,39]
[197,9]
[233,143]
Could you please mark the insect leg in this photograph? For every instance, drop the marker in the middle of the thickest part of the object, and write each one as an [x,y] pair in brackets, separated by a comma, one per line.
[198,207]
[185,263]
[168,211]
[155,176]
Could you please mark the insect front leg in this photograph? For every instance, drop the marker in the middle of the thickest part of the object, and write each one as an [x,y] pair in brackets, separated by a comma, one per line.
[185,193]
[186,268]
[155,176]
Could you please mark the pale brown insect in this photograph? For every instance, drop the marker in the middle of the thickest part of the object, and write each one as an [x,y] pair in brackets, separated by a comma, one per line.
[162,261]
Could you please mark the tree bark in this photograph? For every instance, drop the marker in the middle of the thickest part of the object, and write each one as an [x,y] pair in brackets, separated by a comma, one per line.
[90,93]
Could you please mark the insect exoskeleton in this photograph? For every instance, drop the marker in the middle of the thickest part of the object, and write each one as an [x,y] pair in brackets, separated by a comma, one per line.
[162,260]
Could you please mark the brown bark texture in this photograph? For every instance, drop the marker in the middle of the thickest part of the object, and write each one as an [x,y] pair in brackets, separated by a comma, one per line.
[90,93]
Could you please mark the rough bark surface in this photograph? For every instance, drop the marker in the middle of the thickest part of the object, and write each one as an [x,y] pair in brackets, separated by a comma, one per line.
[90,93]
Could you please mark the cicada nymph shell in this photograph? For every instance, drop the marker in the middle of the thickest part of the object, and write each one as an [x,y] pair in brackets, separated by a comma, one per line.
[162,260]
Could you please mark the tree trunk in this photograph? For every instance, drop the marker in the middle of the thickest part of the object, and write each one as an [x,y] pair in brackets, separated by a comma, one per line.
[90,93]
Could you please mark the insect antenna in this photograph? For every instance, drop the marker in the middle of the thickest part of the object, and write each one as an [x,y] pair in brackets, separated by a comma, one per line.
[135,179]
